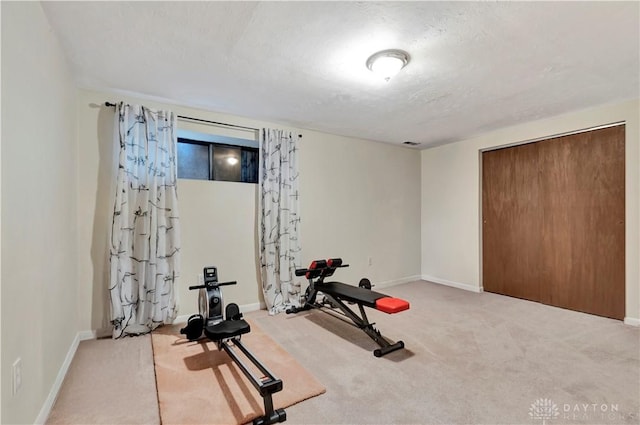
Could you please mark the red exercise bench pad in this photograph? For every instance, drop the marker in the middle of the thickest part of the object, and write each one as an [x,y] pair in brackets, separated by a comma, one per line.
[391,305]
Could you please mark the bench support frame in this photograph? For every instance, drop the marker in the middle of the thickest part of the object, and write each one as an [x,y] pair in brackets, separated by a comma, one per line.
[360,321]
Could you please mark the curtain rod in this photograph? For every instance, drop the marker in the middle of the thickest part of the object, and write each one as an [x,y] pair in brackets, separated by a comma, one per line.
[110,104]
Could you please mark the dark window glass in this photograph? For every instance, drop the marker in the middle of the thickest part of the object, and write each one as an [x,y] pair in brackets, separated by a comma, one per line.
[226,163]
[213,161]
[250,165]
[193,161]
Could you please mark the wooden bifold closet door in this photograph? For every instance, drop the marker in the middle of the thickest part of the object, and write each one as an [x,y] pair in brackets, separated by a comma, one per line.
[553,221]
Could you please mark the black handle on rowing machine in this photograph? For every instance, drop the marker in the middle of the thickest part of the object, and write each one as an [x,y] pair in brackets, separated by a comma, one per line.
[213,285]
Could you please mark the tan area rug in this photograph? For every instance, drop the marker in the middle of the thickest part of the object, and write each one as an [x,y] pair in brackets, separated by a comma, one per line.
[197,384]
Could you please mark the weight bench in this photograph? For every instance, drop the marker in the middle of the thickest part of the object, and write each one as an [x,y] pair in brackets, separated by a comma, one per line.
[337,295]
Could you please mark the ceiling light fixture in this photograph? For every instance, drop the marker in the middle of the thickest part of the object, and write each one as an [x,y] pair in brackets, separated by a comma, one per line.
[232,160]
[388,63]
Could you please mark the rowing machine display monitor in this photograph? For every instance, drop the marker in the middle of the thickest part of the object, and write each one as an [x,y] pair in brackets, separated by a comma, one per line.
[210,275]
[226,330]
[337,294]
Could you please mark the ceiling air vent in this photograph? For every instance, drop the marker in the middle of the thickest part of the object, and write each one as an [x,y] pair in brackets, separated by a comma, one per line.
[408,143]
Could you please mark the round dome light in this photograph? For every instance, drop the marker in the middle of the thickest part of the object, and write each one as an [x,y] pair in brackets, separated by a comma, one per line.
[387,63]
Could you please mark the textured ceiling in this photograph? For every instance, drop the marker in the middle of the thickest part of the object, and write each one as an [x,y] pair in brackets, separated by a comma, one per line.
[475,66]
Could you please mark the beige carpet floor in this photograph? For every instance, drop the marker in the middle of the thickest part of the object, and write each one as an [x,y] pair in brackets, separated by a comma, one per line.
[199,384]
[109,382]
[470,359]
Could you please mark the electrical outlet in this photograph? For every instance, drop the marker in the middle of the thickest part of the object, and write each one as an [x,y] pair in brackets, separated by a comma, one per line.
[370,261]
[200,279]
[17,376]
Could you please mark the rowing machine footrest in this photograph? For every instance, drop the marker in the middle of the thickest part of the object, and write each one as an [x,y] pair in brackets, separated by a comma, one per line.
[193,330]
[232,312]
[391,305]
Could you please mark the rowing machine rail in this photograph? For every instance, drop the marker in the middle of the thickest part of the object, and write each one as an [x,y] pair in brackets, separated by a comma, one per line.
[226,334]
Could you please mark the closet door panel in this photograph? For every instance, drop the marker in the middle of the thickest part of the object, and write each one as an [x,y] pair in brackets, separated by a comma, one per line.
[582,199]
[511,222]
[554,221]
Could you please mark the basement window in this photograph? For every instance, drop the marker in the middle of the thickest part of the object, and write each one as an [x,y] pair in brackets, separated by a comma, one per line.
[209,157]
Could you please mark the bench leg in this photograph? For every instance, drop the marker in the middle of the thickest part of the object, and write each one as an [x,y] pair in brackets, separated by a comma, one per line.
[362,322]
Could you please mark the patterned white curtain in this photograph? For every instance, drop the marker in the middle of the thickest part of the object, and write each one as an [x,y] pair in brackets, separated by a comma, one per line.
[279,220]
[145,233]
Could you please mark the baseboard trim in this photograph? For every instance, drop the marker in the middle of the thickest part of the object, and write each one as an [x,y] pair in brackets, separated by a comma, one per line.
[86,335]
[631,321]
[252,307]
[465,286]
[94,334]
[245,308]
[389,283]
[57,384]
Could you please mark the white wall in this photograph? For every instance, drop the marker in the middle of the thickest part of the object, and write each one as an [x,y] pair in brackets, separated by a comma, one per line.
[39,237]
[0,239]
[451,202]
[359,199]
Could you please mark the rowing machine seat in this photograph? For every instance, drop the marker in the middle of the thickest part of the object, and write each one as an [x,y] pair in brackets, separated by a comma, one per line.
[391,305]
[226,329]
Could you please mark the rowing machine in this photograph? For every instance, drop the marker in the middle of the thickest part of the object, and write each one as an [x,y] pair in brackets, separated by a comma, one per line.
[226,334]
[337,293]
